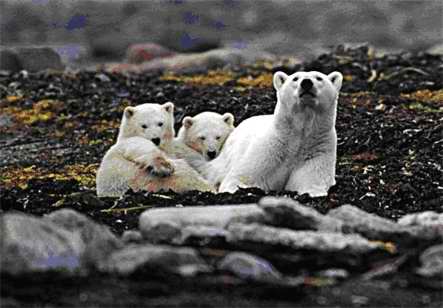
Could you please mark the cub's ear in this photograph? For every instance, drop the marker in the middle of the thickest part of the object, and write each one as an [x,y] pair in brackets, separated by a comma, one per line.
[129,112]
[336,78]
[279,79]
[228,118]
[188,122]
[169,107]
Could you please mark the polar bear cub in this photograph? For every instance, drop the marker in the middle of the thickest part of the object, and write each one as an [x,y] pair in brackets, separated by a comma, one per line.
[206,132]
[292,149]
[136,162]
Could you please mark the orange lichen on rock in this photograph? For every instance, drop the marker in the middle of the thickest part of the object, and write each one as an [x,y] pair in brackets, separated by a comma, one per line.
[41,111]
[213,77]
[435,97]
[19,177]
[261,81]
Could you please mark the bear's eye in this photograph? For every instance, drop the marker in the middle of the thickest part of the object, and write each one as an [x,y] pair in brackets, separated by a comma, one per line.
[319,78]
[217,138]
[202,138]
[144,126]
[160,124]
[295,79]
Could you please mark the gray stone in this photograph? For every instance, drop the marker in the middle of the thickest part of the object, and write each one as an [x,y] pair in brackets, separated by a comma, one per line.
[166,224]
[288,213]
[9,60]
[369,225]
[432,262]
[99,241]
[139,53]
[428,218]
[31,244]
[200,235]
[35,59]
[182,261]
[132,236]
[436,50]
[303,240]
[249,267]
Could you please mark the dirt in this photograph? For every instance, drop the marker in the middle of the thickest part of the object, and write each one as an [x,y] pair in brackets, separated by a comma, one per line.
[55,128]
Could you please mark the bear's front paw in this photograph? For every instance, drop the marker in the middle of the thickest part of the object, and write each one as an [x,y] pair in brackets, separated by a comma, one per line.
[160,167]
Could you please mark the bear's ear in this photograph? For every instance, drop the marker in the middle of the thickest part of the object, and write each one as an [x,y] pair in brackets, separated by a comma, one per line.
[169,107]
[279,79]
[129,112]
[228,118]
[188,122]
[336,78]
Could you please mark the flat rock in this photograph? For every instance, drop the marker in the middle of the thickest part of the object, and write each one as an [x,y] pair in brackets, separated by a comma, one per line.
[99,241]
[34,59]
[200,236]
[30,244]
[288,213]
[158,259]
[369,225]
[166,224]
[249,267]
[299,240]
[428,218]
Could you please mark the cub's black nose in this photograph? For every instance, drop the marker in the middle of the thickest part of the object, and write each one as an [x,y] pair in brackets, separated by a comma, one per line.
[306,84]
[156,141]
[212,154]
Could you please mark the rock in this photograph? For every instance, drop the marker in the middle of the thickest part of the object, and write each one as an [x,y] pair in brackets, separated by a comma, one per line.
[158,259]
[436,50]
[428,218]
[288,213]
[183,41]
[34,59]
[432,266]
[300,240]
[99,241]
[131,236]
[30,244]
[369,225]
[200,236]
[249,267]
[9,60]
[166,224]
[139,53]
[194,62]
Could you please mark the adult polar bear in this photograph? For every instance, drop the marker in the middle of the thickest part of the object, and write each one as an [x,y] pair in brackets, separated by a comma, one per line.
[292,149]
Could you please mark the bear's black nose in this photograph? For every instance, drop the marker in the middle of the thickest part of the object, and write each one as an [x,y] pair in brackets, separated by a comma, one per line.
[306,84]
[156,141]
[212,154]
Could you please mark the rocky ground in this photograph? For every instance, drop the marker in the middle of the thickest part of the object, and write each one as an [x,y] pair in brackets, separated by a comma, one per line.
[56,126]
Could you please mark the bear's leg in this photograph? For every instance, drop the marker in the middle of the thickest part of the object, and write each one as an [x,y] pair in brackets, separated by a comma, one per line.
[314,177]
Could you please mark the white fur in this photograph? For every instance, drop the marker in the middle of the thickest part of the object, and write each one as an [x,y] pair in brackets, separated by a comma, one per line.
[206,132]
[292,149]
[136,162]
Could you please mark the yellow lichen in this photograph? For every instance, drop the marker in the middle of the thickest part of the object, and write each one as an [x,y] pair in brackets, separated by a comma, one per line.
[213,77]
[426,96]
[19,177]
[41,111]
[261,81]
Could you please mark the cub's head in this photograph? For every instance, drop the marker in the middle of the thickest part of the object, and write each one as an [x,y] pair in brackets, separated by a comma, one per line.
[206,132]
[308,89]
[151,121]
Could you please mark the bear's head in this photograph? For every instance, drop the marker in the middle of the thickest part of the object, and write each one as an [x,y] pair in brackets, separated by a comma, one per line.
[313,90]
[206,132]
[151,121]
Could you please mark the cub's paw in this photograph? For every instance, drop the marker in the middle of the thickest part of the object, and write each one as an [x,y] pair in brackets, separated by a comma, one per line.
[160,167]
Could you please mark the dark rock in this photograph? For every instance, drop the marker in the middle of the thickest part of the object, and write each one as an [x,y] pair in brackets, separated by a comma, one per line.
[249,267]
[139,53]
[166,224]
[36,59]
[99,241]
[30,244]
[300,240]
[288,213]
[173,260]
[9,60]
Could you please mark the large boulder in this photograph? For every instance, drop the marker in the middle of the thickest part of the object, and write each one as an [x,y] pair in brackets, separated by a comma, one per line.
[167,224]
[30,244]
[34,59]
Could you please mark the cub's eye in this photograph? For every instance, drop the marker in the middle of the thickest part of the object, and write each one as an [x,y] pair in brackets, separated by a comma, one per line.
[218,138]
[319,78]
[144,126]
[160,124]
[202,138]
[295,79]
